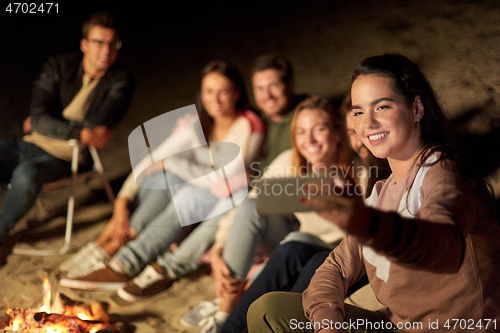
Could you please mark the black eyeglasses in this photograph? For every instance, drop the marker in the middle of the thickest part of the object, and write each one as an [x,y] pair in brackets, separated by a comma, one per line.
[113,45]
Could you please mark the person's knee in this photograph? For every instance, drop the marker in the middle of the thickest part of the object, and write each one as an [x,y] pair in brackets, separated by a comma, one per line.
[247,215]
[274,311]
[260,309]
[287,250]
[248,206]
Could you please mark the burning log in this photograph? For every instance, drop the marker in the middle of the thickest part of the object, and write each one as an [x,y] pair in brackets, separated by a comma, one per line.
[60,319]
[65,301]
[82,312]
[99,311]
[4,320]
[64,315]
[33,330]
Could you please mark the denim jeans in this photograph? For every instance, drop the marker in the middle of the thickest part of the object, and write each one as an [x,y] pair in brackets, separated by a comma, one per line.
[26,167]
[165,228]
[150,202]
[248,231]
[186,258]
[290,268]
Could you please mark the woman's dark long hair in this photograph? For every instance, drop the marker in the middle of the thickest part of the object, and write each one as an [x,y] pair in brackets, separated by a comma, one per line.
[408,81]
[232,73]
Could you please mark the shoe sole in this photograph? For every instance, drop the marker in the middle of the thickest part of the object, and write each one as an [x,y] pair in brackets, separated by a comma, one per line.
[126,296]
[90,285]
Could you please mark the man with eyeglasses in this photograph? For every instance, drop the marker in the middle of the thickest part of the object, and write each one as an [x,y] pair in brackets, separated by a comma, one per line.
[77,96]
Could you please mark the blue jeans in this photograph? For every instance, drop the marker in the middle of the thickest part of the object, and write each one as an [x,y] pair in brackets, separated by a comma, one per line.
[165,228]
[26,167]
[150,202]
[290,268]
[248,231]
[186,258]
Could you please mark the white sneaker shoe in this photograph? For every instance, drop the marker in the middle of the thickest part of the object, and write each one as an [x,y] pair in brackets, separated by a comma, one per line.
[77,257]
[84,267]
[212,325]
[200,314]
[89,252]
[152,280]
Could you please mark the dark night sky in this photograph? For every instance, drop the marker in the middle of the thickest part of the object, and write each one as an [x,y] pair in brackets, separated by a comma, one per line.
[155,34]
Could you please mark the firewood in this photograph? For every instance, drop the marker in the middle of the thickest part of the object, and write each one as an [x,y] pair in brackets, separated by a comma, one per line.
[120,327]
[99,311]
[4,320]
[58,319]
[32,330]
[82,310]
[66,301]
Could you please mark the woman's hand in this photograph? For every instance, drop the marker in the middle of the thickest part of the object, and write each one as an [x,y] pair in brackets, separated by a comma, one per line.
[224,282]
[185,122]
[152,169]
[342,205]
[220,189]
[120,221]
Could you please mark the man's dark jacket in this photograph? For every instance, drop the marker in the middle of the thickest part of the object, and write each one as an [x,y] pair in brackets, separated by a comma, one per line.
[61,80]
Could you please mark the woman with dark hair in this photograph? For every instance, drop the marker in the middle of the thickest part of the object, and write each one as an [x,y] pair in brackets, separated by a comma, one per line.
[196,190]
[427,237]
[233,75]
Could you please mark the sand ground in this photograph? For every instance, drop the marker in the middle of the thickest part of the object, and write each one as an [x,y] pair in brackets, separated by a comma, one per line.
[457,43]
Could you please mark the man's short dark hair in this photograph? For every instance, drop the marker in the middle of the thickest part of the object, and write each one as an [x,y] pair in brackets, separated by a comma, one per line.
[276,62]
[101,19]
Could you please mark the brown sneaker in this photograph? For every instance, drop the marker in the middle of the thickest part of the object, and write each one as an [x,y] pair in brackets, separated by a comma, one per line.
[99,277]
[151,281]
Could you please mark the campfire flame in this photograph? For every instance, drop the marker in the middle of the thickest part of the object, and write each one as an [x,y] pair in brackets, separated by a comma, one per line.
[17,322]
[46,296]
[62,316]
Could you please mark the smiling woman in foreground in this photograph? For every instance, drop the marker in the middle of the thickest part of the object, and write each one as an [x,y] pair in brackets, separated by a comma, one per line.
[427,237]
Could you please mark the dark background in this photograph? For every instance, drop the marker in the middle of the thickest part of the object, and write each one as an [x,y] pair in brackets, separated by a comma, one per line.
[167,43]
[161,40]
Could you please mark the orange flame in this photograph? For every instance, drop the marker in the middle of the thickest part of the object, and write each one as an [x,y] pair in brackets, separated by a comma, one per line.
[83,316]
[46,296]
[23,319]
[16,323]
[97,328]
